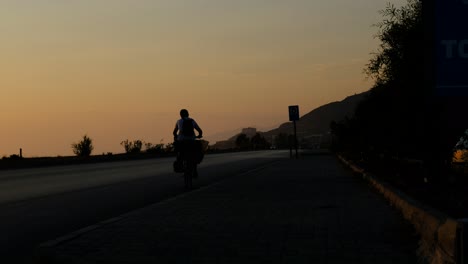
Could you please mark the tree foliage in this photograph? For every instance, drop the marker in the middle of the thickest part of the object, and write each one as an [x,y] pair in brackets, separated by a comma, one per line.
[84,148]
[402,116]
[391,118]
[242,141]
[401,42]
[259,142]
[283,140]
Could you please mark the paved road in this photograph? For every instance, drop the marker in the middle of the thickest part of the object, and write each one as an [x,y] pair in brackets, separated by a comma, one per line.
[37,205]
[310,210]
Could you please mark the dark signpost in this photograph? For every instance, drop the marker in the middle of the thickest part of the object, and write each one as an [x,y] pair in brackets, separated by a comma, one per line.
[451,47]
[294,116]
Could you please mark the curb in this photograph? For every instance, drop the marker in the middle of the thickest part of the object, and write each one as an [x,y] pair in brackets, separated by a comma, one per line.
[441,240]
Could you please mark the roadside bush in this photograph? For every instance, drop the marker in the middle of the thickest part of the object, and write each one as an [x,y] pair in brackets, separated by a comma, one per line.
[154,148]
[12,157]
[15,157]
[169,148]
[84,147]
[134,146]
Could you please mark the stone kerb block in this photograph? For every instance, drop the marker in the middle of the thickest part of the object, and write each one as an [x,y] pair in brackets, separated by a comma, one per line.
[446,236]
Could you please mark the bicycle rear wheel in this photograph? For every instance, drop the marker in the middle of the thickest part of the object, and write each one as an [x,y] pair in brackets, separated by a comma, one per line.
[188,175]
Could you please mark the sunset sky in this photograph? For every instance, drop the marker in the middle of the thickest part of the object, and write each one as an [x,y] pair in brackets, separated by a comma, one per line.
[122,69]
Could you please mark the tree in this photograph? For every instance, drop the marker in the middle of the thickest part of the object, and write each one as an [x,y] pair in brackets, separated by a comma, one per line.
[84,147]
[242,141]
[402,116]
[417,116]
[393,117]
[282,141]
[259,142]
[401,36]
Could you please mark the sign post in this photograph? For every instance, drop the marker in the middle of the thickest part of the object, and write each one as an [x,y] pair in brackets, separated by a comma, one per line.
[294,116]
[451,47]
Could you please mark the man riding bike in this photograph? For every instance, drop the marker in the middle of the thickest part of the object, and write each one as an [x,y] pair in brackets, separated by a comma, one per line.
[184,137]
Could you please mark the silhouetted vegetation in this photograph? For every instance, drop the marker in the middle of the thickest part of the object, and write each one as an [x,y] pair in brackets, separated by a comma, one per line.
[284,141]
[134,146]
[150,151]
[12,157]
[399,115]
[169,148]
[403,129]
[257,142]
[154,148]
[242,141]
[391,119]
[84,148]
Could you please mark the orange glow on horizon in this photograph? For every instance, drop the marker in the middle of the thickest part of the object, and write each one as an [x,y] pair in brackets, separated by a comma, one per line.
[122,69]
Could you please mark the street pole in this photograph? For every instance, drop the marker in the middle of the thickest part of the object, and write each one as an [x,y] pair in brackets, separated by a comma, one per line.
[295,139]
[290,148]
[293,116]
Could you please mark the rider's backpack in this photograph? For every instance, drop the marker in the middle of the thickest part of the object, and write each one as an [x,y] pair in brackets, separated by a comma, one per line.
[187,128]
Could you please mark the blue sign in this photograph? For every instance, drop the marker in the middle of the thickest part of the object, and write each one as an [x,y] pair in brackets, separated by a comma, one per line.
[293,112]
[451,37]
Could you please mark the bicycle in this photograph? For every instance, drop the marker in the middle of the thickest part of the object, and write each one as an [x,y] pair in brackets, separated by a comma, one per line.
[188,154]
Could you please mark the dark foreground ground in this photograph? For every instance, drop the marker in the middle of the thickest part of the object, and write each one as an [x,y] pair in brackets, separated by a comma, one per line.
[310,210]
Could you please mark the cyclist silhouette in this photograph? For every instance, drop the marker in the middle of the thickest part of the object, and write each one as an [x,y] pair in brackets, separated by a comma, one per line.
[186,126]
[184,137]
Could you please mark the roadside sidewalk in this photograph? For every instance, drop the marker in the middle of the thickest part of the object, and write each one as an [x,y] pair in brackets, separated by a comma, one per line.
[310,210]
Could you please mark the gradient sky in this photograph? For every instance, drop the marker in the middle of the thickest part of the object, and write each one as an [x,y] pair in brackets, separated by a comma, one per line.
[122,69]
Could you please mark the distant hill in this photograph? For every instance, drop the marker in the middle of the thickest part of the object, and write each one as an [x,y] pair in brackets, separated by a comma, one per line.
[318,120]
[313,126]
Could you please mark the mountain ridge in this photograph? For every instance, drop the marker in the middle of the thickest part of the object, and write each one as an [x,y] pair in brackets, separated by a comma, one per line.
[318,120]
[314,123]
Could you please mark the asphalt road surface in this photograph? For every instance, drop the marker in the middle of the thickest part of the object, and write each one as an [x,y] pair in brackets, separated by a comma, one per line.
[41,204]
